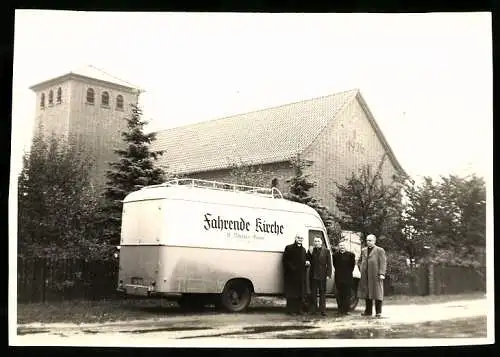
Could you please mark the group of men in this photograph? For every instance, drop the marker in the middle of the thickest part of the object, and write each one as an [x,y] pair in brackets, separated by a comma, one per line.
[314,267]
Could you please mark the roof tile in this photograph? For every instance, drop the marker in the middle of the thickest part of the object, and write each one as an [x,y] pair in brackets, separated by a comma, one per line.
[268,135]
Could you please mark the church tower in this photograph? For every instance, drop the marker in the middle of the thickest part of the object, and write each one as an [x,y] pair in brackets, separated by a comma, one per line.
[91,106]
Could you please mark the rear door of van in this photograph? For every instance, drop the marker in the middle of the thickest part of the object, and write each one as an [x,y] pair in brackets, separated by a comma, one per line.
[139,248]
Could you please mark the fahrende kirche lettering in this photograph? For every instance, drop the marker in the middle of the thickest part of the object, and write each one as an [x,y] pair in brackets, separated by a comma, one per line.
[241,224]
[219,223]
[262,226]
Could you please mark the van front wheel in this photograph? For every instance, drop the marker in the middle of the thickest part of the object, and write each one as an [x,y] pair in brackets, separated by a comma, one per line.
[236,296]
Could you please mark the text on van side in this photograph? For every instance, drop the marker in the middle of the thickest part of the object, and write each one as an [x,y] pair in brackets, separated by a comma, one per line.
[241,224]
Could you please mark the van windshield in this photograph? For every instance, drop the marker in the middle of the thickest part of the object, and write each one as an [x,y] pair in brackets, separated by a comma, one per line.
[313,233]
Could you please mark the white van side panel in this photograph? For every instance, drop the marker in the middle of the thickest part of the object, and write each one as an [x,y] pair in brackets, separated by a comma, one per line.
[142,222]
[224,226]
[204,270]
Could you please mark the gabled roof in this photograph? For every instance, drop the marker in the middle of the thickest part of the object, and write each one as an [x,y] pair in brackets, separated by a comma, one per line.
[90,72]
[265,136]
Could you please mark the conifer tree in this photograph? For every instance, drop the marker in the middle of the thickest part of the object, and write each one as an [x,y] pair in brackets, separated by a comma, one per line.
[134,169]
[300,185]
[299,182]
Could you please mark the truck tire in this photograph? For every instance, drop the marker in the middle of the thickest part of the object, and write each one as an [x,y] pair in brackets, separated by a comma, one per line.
[236,296]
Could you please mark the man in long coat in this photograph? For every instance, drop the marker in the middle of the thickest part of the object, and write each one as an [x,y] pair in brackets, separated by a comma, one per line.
[294,264]
[320,270]
[373,268]
[343,262]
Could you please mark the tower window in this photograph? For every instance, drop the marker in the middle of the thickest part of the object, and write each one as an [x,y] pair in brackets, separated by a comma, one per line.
[42,100]
[90,96]
[119,102]
[51,97]
[105,99]
[59,95]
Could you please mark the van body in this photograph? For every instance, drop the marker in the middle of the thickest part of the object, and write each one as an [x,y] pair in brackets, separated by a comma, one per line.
[194,240]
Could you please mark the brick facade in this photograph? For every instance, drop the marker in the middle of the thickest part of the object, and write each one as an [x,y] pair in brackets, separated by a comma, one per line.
[280,171]
[347,143]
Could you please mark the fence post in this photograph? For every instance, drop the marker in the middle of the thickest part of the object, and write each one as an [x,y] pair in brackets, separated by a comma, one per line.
[430,279]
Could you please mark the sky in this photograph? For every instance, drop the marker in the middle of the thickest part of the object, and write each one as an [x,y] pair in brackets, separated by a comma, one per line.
[427,78]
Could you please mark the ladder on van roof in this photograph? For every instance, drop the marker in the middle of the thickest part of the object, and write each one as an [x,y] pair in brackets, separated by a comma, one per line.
[271,192]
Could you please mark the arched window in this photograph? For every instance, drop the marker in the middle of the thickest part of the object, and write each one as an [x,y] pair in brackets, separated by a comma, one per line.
[274,182]
[42,100]
[90,96]
[51,97]
[119,102]
[105,99]
[59,95]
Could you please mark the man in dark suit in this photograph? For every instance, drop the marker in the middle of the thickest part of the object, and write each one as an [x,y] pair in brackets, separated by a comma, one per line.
[343,262]
[320,270]
[294,264]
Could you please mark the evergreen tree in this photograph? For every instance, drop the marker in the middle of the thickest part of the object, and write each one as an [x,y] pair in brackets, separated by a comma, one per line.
[299,182]
[300,185]
[133,170]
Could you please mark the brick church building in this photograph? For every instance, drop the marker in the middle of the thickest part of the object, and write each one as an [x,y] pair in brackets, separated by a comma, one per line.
[90,105]
[337,133]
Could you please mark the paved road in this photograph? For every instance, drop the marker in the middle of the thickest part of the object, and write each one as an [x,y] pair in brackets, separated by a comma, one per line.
[271,324]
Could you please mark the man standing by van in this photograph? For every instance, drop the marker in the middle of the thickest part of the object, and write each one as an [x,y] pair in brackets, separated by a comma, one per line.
[294,262]
[371,284]
[321,269]
[343,262]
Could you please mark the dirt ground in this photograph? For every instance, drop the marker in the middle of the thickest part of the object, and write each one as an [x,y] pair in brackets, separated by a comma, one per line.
[451,319]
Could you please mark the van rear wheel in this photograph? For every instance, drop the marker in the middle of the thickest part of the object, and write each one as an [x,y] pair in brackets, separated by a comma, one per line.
[236,296]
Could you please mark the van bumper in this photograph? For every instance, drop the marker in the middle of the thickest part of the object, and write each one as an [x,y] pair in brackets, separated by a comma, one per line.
[146,291]
[137,290]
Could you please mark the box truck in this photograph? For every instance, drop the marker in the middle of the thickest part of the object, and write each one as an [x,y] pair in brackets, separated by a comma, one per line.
[205,242]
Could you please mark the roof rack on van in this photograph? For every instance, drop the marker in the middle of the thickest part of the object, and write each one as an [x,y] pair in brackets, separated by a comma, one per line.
[272,192]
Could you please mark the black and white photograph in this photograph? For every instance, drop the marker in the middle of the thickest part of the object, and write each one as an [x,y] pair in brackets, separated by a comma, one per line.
[251,179]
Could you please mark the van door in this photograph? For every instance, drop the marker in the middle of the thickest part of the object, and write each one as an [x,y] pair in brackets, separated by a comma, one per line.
[313,233]
[140,245]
